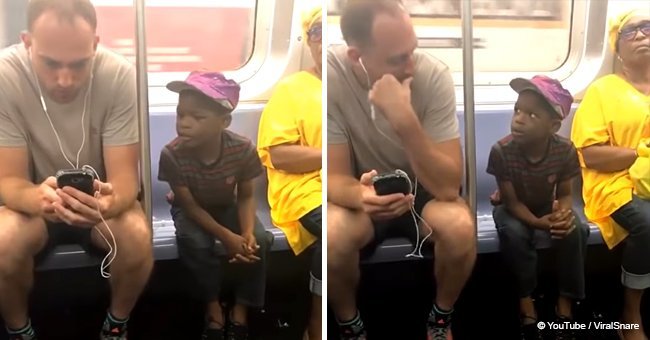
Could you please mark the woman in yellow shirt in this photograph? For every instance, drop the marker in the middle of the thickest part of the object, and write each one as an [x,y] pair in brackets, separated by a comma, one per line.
[607,131]
[289,144]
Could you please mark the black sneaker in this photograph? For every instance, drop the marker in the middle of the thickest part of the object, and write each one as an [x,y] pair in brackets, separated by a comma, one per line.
[213,334]
[564,334]
[530,332]
[235,331]
[113,331]
[350,332]
[22,337]
[439,327]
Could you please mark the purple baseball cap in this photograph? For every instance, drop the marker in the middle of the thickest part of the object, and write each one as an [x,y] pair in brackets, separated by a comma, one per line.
[551,89]
[215,85]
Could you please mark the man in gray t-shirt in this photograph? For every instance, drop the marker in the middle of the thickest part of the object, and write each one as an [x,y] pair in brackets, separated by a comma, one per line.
[66,103]
[391,107]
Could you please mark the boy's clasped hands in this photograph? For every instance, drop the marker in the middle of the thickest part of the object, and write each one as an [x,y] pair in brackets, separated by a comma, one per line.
[559,221]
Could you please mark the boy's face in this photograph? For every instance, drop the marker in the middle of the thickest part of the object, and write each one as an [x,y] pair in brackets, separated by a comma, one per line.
[196,122]
[532,122]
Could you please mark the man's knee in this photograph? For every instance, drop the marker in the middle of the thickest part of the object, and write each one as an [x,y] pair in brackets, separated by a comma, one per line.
[346,230]
[20,237]
[452,223]
[132,234]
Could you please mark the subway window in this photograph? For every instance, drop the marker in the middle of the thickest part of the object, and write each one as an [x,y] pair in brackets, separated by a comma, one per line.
[509,35]
[181,35]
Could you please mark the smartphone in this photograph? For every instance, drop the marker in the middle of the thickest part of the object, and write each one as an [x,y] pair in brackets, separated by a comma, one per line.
[80,179]
[392,183]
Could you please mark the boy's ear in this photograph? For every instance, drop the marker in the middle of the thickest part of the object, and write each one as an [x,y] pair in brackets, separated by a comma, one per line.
[227,120]
[556,125]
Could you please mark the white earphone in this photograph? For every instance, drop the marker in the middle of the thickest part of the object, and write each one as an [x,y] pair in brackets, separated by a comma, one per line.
[112,248]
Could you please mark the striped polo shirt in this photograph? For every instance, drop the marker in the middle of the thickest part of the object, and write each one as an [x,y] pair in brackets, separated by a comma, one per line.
[534,183]
[212,185]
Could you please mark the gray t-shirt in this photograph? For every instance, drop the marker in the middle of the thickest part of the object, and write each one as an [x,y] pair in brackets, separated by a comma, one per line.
[110,119]
[349,120]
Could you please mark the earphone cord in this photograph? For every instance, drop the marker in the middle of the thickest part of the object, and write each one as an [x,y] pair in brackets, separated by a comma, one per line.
[112,248]
[414,214]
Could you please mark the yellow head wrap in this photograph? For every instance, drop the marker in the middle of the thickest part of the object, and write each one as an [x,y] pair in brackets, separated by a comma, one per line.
[309,17]
[617,23]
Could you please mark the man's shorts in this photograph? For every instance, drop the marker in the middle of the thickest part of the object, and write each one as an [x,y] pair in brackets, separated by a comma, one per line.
[403,226]
[61,233]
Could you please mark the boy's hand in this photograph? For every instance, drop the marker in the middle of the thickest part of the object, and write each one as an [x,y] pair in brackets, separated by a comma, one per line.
[561,221]
[251,243]
[236,249]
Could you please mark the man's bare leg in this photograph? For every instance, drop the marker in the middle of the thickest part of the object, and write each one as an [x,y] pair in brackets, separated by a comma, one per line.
[454,237]
[21,238]
[132,266]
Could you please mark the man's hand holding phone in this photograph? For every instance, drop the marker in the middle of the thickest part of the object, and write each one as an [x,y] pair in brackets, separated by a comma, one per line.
[79,208]
[47,197]
[384,207]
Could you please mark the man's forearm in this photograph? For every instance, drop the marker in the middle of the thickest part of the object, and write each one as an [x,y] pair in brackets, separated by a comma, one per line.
[344,191]
[125,193]
[436,171]
[297,159]
[20,195]
[246,213]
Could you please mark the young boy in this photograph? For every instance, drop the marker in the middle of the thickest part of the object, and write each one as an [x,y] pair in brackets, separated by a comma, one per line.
[204,166]
[534,169]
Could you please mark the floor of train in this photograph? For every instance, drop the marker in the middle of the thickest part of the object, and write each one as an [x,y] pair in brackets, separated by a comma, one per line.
[395,298]
[71,304]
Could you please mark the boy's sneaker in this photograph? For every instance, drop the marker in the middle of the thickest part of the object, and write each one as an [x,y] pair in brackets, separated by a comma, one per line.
[213,334]
[530,332]
[563,334]
[235,331]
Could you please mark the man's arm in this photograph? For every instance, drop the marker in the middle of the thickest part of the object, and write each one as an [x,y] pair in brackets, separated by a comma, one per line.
[438,166]
[16,191]
[297,159]
[342,188]
[246,206]
[121,163]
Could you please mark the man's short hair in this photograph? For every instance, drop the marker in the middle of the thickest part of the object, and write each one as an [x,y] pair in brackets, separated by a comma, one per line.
[65,10]
[359,15]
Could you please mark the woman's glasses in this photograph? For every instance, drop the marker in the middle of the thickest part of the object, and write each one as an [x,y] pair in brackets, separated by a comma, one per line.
[315,33]
[628,33]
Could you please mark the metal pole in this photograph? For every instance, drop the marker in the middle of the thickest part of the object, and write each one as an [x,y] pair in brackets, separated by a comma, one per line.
[468,103]
[143,105]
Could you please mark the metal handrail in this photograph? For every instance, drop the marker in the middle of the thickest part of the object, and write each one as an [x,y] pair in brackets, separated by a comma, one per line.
[143,105]
[468,104]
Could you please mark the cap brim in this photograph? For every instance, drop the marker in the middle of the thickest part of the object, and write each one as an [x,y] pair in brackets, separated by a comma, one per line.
[179,86]
[521,84]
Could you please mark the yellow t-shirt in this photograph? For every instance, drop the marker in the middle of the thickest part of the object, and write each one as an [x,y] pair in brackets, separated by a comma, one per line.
[613,113]
[292,116]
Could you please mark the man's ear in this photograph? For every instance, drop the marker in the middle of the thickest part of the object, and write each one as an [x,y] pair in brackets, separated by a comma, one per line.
[354,53]
[95,43]
[26,38]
